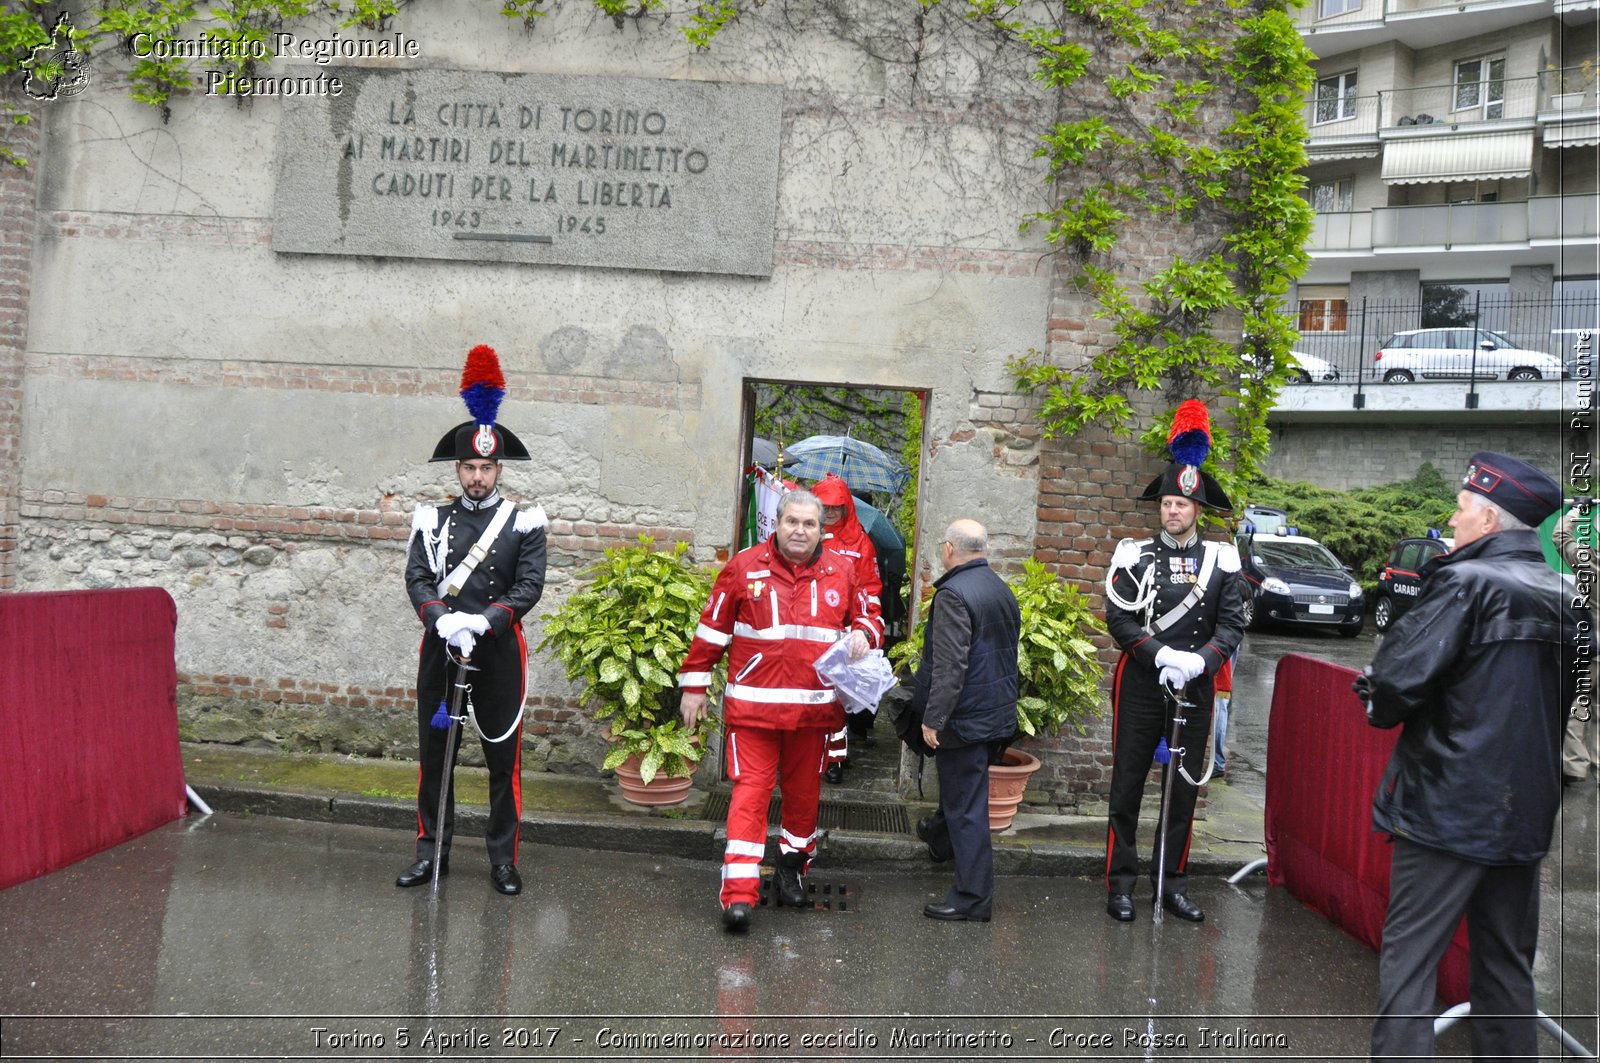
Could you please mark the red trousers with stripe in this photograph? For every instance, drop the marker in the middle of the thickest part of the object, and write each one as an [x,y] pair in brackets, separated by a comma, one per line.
[757,759]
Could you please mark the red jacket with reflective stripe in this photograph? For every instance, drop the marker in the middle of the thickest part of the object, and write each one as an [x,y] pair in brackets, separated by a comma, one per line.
[774,620]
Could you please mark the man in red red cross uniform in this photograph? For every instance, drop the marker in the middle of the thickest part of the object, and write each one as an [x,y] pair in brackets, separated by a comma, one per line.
[775,608]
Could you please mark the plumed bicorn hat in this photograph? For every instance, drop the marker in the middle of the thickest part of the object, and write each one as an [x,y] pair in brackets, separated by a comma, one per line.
[483,386]
[1189,442]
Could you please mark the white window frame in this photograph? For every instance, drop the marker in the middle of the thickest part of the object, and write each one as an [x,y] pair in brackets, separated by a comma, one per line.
[1343,98]
[1488,93]
[1334,8]
[1344,195]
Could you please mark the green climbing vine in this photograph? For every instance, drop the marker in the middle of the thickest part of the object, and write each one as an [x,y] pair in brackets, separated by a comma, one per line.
[1211,325]
[1198,125]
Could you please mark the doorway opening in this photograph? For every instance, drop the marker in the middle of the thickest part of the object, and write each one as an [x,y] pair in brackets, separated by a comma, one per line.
[790,432]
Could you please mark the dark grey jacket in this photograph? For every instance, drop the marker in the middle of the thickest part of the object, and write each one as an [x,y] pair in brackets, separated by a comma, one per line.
[1480,671]
[967,680]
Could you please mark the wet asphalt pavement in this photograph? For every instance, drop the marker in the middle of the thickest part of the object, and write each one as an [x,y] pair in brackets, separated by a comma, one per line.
[231,937]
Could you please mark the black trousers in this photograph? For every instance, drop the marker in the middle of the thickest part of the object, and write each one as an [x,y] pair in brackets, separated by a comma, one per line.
[1141,717]
[497,689]
[1429,892]
[961,825]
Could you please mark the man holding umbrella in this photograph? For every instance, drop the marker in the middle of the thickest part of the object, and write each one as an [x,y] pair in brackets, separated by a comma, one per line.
[475,569]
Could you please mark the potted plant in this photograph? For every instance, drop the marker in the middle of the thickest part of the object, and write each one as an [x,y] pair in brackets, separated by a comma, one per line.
[1059,675]
[1569,86]
[623,635]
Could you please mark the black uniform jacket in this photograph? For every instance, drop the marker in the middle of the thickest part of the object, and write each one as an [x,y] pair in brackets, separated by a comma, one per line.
[1213,627]
[505,585]
[1480,671]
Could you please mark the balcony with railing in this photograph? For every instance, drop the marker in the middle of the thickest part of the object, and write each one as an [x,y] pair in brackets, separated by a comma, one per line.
[1543,220]
[1425,110]
[1331,27]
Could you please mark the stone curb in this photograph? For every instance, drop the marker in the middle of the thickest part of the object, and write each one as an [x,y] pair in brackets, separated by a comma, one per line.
[693,839]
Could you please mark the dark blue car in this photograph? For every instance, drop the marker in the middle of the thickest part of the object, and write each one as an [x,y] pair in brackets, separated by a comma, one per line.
[1293,579]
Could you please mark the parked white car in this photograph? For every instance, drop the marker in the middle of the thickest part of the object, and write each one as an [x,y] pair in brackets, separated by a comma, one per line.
[1460,354]
[1313,370]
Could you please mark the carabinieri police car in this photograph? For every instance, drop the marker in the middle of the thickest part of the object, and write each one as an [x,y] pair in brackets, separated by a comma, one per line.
[1401,577]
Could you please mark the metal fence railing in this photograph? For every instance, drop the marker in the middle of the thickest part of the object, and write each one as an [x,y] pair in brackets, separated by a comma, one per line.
[1455,334]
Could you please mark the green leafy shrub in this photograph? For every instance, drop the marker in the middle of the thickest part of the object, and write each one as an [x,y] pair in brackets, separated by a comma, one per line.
[623,636]
[1362,526]
[1057,664]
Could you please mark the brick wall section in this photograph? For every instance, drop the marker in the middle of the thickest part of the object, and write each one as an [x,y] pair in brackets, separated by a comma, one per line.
[362,380]
[1088,500]
[810,254]
[275,524]
[18,198]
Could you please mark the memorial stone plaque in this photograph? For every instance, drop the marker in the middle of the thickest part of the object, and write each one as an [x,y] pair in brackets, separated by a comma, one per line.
[479,166]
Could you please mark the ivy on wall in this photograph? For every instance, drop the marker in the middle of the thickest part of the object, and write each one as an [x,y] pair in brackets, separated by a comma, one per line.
[1203,130]
[1197,126]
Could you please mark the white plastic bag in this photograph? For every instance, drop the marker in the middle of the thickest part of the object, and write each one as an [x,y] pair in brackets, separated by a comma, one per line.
[860,685]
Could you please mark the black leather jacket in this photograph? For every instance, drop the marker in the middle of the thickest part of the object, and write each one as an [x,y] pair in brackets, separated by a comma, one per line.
[1480,671]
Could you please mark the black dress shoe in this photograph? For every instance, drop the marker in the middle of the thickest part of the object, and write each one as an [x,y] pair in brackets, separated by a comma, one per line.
[1182,907]
[420,872]
[952,914]
[1573,780]
[835,772]
[504,877]
[789,886]
[925,834]
[736,917]
[1120,907]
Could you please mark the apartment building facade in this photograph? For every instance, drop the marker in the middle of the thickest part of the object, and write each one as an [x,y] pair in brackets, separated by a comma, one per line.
[1453,152]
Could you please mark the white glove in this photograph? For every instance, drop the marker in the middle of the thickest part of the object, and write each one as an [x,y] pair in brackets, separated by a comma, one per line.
[463,641]
[1186,664]
[451,623]
[1193,665]
[1172,678]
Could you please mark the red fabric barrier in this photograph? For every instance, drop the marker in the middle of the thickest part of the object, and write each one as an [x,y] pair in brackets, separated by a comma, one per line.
[1324,764]
[88,725]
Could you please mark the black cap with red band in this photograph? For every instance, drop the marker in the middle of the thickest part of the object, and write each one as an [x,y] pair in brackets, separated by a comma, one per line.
[1520,489]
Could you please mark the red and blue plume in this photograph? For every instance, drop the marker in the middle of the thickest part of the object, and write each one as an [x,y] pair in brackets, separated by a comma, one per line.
[1190,439]
[482,384]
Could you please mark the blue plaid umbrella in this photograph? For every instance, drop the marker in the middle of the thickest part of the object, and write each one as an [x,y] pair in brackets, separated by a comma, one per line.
[861,465]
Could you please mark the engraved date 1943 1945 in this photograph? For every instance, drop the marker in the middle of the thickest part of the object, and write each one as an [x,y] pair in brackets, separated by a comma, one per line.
[593,225]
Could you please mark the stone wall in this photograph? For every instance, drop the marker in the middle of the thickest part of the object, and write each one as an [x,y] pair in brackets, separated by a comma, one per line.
[249,429]
[1344,457]
[18,195]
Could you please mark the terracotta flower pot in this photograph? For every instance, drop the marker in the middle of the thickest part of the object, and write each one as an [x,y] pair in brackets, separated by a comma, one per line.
[661,790]
[1007,781]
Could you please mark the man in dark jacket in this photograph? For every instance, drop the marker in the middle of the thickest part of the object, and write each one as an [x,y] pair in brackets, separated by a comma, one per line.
[1480,672]
[967,688]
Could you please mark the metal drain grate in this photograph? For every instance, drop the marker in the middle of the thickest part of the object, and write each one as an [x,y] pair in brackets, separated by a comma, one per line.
[831,815]
[826,895]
